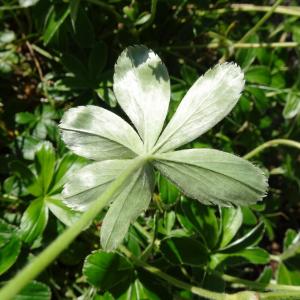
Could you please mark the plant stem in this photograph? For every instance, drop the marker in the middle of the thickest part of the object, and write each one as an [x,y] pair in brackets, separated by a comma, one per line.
[245,295]
[39,263]
[260,22]
[152,17]
[258,285]
[284,10]
[272,143]
[172,280]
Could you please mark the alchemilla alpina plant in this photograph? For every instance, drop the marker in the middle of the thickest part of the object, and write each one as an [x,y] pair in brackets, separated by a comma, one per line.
[142,88]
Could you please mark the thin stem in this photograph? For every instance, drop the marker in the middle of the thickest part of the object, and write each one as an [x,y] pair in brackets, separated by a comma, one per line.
[214,45]
[272,143]
[39,263]
[284,10]
[257,285]
[152,17]
[260,22]
[172,280]
[245,295]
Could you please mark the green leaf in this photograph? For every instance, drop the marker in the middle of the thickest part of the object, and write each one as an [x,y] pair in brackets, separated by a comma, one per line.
[138,291]
[253,255]
[25,118]
[184,250]
[74,5]
[55,18]
[290,238]
[200,219]
[232,220]
[208,101]
[34,221]
[45,165]
[292,106]
[213,176]
[10,246]
[142,88]
[130,202]
[98,134]
[64,170]
[106,270]
[288,274]
[251,238]
[167,191]
[258,74]
[34,291]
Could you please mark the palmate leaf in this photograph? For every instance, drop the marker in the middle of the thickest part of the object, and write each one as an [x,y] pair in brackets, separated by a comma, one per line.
[142,88]
[213,176]
[206,103]
[131,199]
[126,207]
[90,182]
[98,134]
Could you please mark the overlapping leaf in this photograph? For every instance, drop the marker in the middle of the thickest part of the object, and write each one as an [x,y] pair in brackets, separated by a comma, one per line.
[213,176]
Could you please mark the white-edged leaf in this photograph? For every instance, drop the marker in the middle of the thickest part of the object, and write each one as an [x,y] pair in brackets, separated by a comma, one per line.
[213,176]
[206,103]
[133,199]
[142,88]
[90,182]
[96,133]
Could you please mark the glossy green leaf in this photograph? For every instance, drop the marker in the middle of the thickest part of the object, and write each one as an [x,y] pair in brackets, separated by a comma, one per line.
[202,174]
[288,273]
[137,291]
[10,246]
[207,102]
[34,221]
[65,168]
[184,250]
[131,201]
[45,166]
[251,238]
[106,270]
[55,18]
[232,219]
[34,291]
[292,106]
[142,88]
[98,134]
[200,219]
[168,192]
[253,255]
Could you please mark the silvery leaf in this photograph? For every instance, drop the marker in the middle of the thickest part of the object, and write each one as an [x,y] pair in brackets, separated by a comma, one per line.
[142,88]
[90,182]
[98,134]
[126,207]
[207,102]
[213,176]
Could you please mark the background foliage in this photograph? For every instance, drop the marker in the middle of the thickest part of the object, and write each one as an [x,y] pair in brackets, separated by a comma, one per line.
[58,54]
